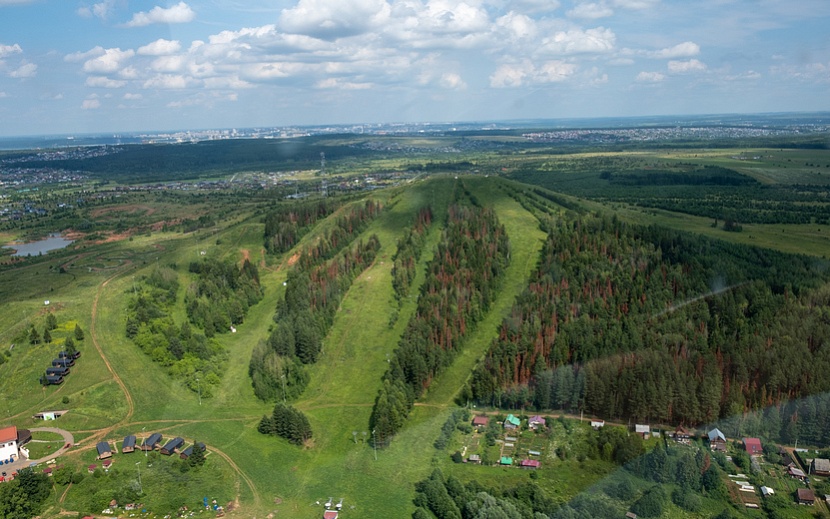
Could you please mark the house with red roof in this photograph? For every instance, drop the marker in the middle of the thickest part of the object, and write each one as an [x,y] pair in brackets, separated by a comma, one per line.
[753,446]
[8,443]
[530,464]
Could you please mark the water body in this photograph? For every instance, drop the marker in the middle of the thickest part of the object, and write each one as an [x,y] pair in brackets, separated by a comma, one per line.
[53,242]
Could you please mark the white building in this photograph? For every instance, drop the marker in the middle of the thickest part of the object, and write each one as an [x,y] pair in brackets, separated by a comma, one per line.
[8,443]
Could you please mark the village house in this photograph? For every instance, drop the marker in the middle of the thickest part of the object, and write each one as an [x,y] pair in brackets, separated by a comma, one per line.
[8,443]
[535,422]
[104,450]
[642,430]
[189,451]
[512,422]
[129,444]
[717,440]
[172,446]
[152,442]
[753,446]
[681,435]
[480,421]
[530,464]
[796,473]
[821,467]
[805,496]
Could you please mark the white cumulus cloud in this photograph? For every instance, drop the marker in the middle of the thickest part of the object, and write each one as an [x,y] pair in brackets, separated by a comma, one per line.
[90,104]
[104,82]
[576,41]
[8,50]
[650,77]
[25,70]
[334,18]
[590,11]
[684,67]
[686,49]
[526,73]
[110,61]
[452,81]
[160,47]
[133,97]
[179,13]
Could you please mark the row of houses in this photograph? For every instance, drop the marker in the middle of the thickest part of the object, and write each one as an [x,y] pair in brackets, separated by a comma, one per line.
[512,422]
[151,443]
[60,367]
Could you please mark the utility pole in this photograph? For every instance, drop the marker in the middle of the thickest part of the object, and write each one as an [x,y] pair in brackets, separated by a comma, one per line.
[200,390]
[283,388]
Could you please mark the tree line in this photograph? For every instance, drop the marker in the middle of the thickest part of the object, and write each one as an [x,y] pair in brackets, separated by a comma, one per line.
[410,247]
[460,285]
[287,224]
[222,294]
[629,321]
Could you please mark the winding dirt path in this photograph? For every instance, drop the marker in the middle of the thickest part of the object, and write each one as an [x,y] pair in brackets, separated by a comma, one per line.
[94,334]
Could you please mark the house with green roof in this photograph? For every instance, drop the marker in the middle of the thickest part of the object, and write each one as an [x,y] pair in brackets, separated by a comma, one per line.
[506,460]
[512,422]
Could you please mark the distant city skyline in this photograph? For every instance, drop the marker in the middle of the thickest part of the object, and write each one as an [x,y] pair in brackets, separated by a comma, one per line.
[85,67]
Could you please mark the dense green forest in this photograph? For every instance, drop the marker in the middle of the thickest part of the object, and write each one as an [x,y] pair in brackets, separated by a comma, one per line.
[461,283]
[629,321]
[410,247]
[288,223]
[304,315]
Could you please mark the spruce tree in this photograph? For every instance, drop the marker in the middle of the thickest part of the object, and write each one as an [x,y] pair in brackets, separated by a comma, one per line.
[79,334]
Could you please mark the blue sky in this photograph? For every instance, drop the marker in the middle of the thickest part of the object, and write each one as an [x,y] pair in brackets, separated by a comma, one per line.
[70,66]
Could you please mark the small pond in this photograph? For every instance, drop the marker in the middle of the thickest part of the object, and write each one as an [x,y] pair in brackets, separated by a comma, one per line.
[53,242]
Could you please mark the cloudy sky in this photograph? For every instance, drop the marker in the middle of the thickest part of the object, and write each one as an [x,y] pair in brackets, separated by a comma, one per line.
[76,66]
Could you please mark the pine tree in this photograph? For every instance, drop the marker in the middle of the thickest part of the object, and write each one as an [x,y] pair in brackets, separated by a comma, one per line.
[197,455]
[34,336]
[47,337]
[51,321]
[69,346]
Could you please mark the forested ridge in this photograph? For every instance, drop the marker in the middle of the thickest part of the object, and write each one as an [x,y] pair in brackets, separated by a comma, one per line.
[286,225]
[410,247]
[314,289]
[461,282]
[642,322]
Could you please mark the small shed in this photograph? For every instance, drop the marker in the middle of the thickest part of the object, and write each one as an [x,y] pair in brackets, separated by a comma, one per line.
[642,430]
[188,451]
[172,446]
[91,468]
[104,450]
[107,464]
[480,421]
[767,491]
[805,496]
[512,422]
[753,446]
[129,444]
[474,458]
[597,424]
[506,460]
[152,442]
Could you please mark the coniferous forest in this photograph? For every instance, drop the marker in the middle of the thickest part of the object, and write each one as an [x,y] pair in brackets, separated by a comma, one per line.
[627,321]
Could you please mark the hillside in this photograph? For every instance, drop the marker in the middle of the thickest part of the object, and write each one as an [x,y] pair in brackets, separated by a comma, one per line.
[378,316]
